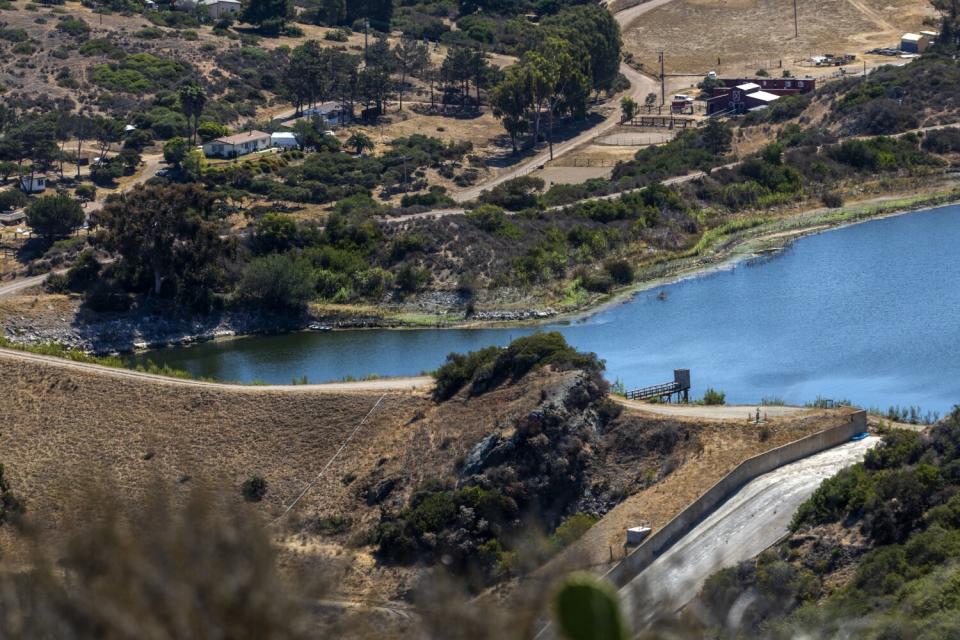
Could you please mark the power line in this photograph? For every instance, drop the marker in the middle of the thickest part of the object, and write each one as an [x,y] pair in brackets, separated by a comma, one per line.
[329,462]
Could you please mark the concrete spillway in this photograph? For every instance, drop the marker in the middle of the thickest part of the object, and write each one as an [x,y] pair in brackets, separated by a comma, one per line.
[753,519]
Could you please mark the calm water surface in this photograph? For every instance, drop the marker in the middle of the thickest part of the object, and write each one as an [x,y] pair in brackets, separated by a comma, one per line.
[869,313]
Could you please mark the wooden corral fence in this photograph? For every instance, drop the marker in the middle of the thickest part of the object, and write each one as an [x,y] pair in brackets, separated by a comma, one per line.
[666,121]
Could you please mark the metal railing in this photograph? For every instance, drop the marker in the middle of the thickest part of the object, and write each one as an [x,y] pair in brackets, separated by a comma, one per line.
[655,391]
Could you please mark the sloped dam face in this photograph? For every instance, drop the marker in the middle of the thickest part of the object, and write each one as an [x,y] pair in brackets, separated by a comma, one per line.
[868,313]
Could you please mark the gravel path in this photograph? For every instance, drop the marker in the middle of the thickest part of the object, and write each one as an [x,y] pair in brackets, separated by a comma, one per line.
[712,412]
[363,386]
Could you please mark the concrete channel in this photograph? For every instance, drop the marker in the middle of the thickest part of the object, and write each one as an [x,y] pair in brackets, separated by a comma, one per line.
[750,521]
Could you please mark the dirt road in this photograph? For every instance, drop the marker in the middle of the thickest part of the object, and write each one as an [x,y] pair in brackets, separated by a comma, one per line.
[712,412]
[752,520]
[640,86]
[363,386]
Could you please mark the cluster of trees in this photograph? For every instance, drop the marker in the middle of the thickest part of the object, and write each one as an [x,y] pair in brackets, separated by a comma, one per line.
[578,55]
[317,74]
[34,142]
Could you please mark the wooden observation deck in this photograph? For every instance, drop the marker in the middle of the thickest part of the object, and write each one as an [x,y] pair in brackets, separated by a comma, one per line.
[680,387]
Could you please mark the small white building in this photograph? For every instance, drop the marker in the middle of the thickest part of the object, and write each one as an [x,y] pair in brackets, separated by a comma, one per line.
[220,8]
[239,144]
[331,112]
[33,184]
[284,140]
[914,43]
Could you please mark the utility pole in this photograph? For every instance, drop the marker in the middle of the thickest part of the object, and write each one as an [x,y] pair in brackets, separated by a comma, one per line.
[366,29]
[663,83]
[796,22]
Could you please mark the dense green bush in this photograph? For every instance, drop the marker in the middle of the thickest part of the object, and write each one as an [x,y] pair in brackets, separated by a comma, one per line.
[712,397]
[942,140]
[55,216]
[139,73]
[428,527]
[12,199]
[486,369]
[515,194]
[278,281]
[254,489]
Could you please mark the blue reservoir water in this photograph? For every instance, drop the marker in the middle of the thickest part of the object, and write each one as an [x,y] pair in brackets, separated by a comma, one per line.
[869,313]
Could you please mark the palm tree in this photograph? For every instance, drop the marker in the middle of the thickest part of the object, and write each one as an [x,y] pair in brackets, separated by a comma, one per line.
[360,141]
[192,100]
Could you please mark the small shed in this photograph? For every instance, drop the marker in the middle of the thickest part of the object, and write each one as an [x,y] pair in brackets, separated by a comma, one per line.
[219,8]
[331,112]
[35,183]
[914,43]
[283,139]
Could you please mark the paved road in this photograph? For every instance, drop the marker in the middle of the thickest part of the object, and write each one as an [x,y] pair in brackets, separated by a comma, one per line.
[714,412]
[751,521]
[363,386]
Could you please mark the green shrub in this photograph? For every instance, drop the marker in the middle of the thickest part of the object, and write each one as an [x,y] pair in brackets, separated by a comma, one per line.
[714,397]
[278,281]
[12,199]
[254,489]
[84,272]
[72,26]
[515,194]
[572,529]
[488,368]
[139,73]
[55,216]
[11,506]
[620,270]
[846,493]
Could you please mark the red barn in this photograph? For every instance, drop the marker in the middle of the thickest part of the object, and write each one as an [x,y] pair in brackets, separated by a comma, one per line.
[736,95]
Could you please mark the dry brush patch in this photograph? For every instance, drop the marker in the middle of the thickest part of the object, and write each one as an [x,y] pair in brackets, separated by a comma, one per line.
[694,33]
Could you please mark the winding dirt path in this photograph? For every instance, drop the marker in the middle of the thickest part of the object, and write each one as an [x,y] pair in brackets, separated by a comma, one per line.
[363,386]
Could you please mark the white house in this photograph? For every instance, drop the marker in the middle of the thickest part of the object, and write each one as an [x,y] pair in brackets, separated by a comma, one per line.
[220,8]
[33,184]
[238,144]
[332,113]
[283,139]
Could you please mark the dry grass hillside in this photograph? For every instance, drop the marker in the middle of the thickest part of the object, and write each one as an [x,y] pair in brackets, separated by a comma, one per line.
[747,35]
[65,432]
[63,429]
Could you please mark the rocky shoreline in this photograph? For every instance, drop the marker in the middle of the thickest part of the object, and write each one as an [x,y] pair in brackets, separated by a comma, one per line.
[105,334]
[101,334]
